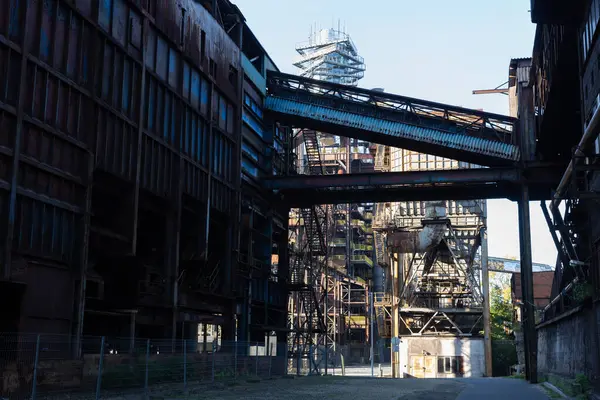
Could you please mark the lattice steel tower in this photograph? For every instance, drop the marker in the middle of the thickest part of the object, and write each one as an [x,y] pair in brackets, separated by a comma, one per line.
[330,55]
[329,264]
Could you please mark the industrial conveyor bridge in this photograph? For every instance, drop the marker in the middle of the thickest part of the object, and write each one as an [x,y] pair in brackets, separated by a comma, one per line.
[458,133]
[487,140]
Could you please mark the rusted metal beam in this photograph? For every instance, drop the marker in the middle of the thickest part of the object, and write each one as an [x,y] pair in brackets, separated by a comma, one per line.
[527,287]
[413,178]
[305,198]
[490,91]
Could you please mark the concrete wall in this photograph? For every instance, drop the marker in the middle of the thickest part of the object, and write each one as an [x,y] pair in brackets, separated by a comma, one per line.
[471,349]
[569,346]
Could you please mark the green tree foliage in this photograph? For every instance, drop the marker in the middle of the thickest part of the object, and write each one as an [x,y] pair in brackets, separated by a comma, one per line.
[504,353]
[501,309]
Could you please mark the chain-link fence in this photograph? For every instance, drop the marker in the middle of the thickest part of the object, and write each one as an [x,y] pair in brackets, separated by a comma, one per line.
[46,366]
[330,360]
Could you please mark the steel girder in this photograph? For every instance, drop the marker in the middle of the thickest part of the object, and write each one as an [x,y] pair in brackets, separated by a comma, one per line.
[413,179]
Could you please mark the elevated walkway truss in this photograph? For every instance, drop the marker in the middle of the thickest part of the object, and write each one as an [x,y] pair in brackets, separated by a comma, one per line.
[453,132]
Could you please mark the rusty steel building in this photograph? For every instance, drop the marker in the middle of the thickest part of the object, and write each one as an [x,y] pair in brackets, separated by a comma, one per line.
[131,145]
[565,90]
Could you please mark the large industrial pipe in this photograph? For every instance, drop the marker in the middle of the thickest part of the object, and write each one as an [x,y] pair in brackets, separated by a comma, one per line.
[561,294]
[590,134]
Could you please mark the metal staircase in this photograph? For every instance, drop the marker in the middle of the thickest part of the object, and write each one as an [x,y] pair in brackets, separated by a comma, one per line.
[307,313]
[314,164]
[315,226]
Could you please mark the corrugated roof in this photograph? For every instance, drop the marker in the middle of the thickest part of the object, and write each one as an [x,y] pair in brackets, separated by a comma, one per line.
[519,70]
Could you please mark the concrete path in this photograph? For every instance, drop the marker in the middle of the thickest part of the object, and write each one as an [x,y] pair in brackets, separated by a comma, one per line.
[500,389]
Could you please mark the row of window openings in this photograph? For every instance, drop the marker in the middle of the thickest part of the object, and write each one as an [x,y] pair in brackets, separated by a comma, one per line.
[249,165]
[589,29]
[253,105]
[162,105]
[162,117]
[166,62]
[251,122]
[106,20]
[196,90]
[592,78]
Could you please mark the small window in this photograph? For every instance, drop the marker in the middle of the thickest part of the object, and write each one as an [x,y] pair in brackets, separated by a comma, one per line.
[449,365]
[186,81]
[182,34]
[202,45]
[213,68]
[233,76]
[135,31]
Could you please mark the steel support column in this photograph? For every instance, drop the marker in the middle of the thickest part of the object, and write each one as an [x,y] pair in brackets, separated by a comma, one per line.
[485,282]
[395,268]
[528,315]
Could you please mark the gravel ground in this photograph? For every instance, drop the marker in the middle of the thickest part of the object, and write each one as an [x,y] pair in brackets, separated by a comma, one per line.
[336,387]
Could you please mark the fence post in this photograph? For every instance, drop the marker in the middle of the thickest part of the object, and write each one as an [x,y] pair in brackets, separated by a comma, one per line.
[298,360]
[100,365]
[256,359]
[35,367]
[235,360]
[310,359]
[147,363]
[184,364]
[212,378]
[285,357]
[270,359]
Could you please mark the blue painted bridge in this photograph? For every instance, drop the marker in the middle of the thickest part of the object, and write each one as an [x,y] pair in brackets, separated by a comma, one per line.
[453,132]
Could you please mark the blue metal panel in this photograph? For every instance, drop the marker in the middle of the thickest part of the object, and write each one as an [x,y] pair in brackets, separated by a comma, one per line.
[394,129]
[255,76]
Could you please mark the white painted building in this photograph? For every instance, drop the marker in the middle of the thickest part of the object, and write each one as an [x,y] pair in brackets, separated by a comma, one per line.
[441,357]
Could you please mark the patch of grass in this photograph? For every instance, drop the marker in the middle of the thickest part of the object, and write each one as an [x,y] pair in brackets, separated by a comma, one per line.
[583,382]
[517,376]
[577,388]
[551,393]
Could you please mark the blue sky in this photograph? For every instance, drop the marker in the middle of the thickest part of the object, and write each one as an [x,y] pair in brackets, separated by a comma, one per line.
[436,50]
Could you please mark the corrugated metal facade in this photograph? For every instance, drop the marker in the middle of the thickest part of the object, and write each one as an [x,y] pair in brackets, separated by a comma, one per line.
[119,125]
